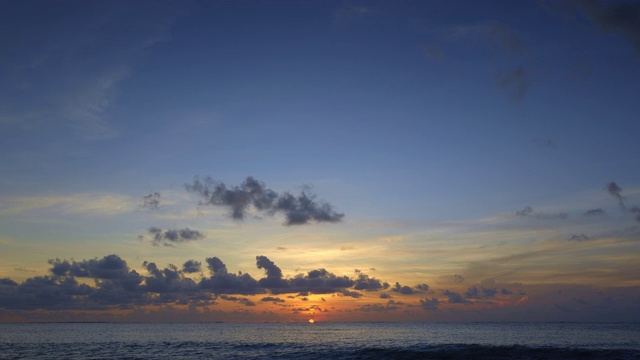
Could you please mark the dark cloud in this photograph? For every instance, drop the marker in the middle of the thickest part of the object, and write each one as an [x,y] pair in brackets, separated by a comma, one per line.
[364,282]
[636,212]
[429,304]
[528,212]
[406,290]
[454,297]
[273,271]
[458,279]
[616,191]
[349,293]
[579,237]
[525,212]
[274,280]
[616,16]
[243,301]
[238,198]
[514,83]
[594,212]
[390,306]
[302,209]
[110,267]
[505,291]
[117,286]
[221,281]
[8,282]
[167,280]
[216,266]
[191,266]
[151,201]
[298,210]
[480,293]
[272,299]
[173,236]
[320,281]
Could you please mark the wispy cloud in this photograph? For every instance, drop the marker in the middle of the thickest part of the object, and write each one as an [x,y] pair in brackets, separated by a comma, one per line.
[107,204]
[73,70]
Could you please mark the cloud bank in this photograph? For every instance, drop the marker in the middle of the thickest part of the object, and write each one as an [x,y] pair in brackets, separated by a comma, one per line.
[117,286]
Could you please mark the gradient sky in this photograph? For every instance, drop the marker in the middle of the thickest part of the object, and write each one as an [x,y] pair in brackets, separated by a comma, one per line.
[336,160]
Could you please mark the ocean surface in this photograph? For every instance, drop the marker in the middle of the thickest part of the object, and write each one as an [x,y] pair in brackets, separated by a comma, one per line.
[320,341]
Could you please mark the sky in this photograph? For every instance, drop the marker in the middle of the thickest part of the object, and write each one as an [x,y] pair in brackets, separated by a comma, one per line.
[334,160]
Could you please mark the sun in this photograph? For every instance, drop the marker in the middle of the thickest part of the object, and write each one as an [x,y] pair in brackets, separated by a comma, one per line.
[311,321]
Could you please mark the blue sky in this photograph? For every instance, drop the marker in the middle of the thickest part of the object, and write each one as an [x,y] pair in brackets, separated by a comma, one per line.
[432,126]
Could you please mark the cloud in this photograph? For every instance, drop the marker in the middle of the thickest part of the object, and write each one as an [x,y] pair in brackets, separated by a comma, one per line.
[170,237]
[579,237]
[481,293]
[429,304]
[595,212]
[167,280]
[501,38]
[221,281]
[117,286]
[527,211]
[86,203]
[191,266]
[273,271]
[616,16]
[406,290]
[614,190]
[274,280]
[364,282]
[514,83]
[252,194]
[151,201]
[243,301]
[272,299]
[454,297]
[390,306]
[320,281]
[504,37]
[55,83]
[109,267]
[349,293]
[635,211]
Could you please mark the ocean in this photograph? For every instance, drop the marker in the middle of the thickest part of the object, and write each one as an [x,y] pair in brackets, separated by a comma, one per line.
[320,341]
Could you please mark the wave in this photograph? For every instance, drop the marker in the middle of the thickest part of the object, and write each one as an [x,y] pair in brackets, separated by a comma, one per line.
[216,350]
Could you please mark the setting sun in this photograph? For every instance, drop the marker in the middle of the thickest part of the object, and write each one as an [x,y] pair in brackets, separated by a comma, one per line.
[311,321]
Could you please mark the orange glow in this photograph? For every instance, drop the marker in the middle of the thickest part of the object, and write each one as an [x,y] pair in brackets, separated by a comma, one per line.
[311,321]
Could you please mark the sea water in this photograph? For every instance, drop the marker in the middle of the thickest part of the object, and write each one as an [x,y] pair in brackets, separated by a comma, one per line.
[320,341]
